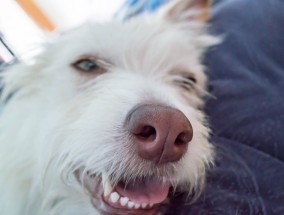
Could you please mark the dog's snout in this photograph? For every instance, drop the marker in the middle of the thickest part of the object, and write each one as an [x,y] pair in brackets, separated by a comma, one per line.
[160,133]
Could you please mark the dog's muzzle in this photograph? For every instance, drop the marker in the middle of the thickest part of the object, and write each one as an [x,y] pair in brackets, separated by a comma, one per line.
[160,135]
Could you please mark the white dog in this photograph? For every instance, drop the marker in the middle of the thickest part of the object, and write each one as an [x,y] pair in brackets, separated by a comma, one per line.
[107,120]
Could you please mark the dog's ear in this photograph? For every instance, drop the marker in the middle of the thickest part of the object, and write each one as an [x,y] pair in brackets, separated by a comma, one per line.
[187,10]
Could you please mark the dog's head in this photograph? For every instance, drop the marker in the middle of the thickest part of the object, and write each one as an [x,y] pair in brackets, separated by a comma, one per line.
[111,113]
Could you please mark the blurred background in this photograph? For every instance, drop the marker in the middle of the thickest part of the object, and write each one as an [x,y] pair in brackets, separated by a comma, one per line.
[24,24]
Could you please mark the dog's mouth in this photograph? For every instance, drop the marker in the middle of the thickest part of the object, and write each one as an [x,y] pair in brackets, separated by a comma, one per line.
[137,196]
[133,197]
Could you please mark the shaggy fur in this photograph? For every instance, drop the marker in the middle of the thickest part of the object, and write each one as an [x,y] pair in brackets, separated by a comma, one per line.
[61,120]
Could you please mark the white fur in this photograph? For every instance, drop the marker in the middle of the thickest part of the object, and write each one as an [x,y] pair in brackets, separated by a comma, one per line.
[60,120]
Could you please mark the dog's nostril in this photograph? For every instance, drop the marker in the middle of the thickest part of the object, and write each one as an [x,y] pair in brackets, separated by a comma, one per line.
[183,138]
[147,132]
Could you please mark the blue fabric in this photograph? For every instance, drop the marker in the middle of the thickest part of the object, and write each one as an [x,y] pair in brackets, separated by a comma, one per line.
[245,181]
[246,74]
[148,5]
[133,7]
[246,111]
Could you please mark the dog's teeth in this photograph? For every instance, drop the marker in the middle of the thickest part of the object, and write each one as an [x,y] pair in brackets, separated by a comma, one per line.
[151,205]
[144,205]
[137,205]
[123,201]
[106,185]
[114,197]
[130,204]
[107,188]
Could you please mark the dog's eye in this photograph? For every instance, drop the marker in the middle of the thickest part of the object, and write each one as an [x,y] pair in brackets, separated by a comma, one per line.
[186,81]
[190,78]
[86,65]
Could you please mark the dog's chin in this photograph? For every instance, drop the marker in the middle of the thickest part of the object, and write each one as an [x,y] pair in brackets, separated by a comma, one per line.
[145,196]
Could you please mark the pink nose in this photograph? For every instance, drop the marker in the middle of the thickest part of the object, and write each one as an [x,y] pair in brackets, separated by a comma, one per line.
[161,133]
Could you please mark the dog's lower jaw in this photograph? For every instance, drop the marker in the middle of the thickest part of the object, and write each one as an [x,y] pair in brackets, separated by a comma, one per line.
[105,208]
[144,197]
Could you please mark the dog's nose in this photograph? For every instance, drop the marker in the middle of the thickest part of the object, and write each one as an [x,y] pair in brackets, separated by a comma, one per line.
[161,133]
